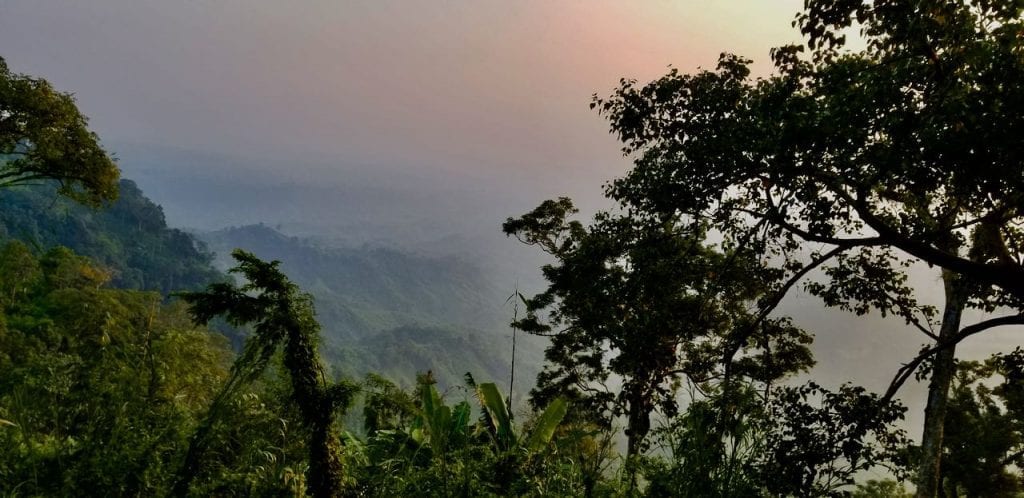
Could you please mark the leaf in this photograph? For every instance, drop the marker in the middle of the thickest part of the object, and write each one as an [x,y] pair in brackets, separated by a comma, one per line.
[436,416]
[546,424]
[431,401]
[440,424]
[494,405]
[460,418]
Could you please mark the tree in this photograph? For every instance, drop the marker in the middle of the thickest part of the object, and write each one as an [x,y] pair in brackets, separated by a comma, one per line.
[43,136]
[282,317]
[650,302]
[907,150]
[785,440]
[874,488]
[815,447]
[20,270]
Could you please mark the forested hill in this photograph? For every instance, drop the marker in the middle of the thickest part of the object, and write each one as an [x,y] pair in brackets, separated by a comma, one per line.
[365,289]
[130,237]
[382,310]
[389,311]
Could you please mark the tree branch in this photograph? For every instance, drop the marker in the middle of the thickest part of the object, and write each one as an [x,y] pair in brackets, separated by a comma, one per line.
[1006,276]
[908,369]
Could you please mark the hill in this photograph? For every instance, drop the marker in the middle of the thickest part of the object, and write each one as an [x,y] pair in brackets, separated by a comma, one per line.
[364,289]
[382,310]
[393,312]
[130,236]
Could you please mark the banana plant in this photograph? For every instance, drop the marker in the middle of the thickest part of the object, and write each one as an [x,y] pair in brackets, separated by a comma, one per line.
[441,450]
[504,433]
[440,425]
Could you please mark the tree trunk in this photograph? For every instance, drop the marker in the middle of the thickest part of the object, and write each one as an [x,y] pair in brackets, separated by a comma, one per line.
[325,467]
[943,369]
[310,393]
[638,425]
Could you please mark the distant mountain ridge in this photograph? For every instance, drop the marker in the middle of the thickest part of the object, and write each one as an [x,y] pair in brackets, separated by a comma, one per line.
[392,312]
[383,287]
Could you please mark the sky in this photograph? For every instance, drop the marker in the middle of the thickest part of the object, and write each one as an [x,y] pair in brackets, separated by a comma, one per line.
[493,92]
[397,111]
[386,119]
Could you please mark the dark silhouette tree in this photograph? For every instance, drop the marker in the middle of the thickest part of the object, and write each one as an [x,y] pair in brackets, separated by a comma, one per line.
[906,150]
[984,435]
[652,303]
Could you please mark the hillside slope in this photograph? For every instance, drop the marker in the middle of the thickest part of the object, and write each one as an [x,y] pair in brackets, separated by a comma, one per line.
[393,312]
[375,288]
[129,237]
[382,310]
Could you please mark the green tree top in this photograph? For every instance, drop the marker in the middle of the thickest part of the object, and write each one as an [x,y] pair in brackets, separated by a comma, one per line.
[44,136]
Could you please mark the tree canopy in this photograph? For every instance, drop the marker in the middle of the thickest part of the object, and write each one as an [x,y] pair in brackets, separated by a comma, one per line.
[654,305]
[862,161]
[912,143]
[43,136]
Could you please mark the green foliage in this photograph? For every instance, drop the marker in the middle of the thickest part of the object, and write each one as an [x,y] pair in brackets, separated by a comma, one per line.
[880,489]
[439,451]
[502,430]
[129,237]
[108,391]
[442,425]
[703,458]
[44,137]
[259,448]
[546,424]
[281,317]
[386,407]
[20,270]
[500,421]
[98,386]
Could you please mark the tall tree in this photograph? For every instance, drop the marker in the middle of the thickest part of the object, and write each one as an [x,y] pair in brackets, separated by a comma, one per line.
[906,150]
[43,136]
[651,302]
[282,317]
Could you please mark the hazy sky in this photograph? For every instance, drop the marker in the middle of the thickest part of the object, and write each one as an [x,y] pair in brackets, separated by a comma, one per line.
[489,90]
